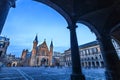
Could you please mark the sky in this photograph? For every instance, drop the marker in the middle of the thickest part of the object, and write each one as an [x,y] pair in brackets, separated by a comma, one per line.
[30,18]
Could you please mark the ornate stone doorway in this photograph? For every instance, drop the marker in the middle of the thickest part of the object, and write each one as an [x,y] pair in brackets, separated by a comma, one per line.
[43,62]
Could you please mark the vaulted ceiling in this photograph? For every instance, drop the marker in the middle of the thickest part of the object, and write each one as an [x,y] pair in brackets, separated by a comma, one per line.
[102,15]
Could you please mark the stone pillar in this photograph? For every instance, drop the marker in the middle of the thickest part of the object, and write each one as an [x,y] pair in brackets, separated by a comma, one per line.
[76,67]
[4,9]
[110,57]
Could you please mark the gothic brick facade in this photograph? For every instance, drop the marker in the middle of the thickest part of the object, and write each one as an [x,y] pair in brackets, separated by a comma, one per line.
[40,55]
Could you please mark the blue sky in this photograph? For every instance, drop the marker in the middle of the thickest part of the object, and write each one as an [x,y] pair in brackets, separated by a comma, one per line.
[30,18]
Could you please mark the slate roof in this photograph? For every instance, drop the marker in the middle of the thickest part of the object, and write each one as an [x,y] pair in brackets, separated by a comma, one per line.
[89,44]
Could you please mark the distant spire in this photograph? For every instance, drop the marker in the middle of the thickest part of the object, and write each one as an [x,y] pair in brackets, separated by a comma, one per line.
[51,45]
[36,38]
[44,40]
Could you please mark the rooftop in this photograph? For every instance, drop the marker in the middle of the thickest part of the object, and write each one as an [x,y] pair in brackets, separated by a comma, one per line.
[89,44]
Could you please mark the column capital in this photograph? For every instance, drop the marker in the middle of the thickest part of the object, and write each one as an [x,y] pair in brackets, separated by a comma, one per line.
[12,3]
[72,27]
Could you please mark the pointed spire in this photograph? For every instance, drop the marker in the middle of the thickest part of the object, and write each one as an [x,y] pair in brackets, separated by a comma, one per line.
[36,38]
[44,40]
[51,45]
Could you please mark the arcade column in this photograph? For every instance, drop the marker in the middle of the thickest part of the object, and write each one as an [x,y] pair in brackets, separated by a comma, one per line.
[5,5]
[76,66]
[110,57]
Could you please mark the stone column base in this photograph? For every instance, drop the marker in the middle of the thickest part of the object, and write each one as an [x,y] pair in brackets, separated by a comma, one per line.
[77,77]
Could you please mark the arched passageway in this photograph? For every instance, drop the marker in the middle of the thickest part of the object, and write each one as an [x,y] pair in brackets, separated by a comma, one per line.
[89,63]
[8,64]
[13,64]
[97,64]
[93,64]
[102,64]
[104,15]
[44,61]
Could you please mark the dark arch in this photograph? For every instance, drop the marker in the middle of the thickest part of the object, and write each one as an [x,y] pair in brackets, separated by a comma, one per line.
[102,64]
[93,64]
[115,27]
[90,26]
[82,64]
[115,33]
[44,62]
[92,58]
[96,58]
[97,64]
[37,61]
[89,64]
[14,65]
[9,64]
[86,64]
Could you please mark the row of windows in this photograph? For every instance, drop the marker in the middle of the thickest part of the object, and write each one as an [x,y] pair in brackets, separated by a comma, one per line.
[92,58]
[89,51]
[83,58]
[93,64]
[68,58]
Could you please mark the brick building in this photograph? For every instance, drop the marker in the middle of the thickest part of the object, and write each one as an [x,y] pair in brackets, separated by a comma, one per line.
[40,55]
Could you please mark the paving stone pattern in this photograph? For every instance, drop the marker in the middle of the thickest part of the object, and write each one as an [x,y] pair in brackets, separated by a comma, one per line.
[42,73]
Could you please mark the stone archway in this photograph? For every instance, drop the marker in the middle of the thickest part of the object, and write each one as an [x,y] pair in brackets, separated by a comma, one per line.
[89,64]
[97,64]
[108,51]
[98,7]
[102,64]
[38,61]
[44,62]
[93,64]
[82,64]
[14,64]
[8,64]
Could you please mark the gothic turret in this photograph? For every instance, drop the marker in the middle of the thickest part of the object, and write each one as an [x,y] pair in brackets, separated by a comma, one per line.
[51,45]
[51,52]
[24,53]
[35,42]
[34,52]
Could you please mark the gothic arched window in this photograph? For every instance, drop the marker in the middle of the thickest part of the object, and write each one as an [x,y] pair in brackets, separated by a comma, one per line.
[43,53]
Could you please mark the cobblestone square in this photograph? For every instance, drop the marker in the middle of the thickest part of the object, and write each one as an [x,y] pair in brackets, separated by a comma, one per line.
[42,73]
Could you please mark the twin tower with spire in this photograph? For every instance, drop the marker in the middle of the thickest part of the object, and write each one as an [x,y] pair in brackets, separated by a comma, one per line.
[41,55]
